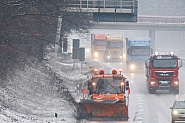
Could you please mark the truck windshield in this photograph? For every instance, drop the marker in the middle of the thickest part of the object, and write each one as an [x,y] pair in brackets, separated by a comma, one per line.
[165,63]
[114,44]
[108,85]
[99,43]
[140,51]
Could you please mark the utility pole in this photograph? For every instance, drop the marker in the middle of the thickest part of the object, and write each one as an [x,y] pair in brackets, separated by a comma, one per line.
[59,25]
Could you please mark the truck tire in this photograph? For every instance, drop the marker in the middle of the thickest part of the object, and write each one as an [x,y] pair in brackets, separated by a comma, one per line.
[176,91]
[173,121]
[152,91]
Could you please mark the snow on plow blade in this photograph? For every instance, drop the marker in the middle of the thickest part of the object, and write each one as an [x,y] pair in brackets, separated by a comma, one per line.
[104,110]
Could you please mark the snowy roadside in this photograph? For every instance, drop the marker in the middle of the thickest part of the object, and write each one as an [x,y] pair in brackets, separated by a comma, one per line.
[32,96]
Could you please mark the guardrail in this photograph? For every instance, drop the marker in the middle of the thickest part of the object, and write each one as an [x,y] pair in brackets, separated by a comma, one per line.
[161,19]
[102,3]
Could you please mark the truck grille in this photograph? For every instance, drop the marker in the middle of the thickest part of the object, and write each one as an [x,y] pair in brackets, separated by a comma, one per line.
[164,83]
[164,74]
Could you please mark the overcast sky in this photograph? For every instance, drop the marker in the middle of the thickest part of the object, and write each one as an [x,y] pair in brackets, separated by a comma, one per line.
[161,7]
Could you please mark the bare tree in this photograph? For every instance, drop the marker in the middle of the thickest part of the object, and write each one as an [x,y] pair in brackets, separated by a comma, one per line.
[27,26]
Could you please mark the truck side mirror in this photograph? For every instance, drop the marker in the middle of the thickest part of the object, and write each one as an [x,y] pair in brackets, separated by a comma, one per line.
[145,64]
[152,51]
[128,51]
[89,83]
[180,63]
[127,85]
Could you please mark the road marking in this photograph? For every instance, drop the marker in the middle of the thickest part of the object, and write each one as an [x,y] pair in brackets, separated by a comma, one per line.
[139,100]
[140,106]
[141,110]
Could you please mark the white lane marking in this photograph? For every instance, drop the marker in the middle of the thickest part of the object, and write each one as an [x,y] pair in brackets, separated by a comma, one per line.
[139,98]
[140,106]
[139,101]
[141,110]
[137,95]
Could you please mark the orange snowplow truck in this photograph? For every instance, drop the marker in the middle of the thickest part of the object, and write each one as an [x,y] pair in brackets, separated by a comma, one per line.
[106,97]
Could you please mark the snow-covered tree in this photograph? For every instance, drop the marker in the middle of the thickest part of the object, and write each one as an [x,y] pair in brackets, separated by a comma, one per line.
[27,26]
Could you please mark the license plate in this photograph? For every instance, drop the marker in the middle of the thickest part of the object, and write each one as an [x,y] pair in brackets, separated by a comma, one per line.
[164,82]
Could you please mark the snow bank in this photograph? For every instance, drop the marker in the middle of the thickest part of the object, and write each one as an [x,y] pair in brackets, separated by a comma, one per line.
[33,96]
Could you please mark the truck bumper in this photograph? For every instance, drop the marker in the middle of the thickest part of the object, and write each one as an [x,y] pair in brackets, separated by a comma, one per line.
[163,88]
[114,60]
[171,89]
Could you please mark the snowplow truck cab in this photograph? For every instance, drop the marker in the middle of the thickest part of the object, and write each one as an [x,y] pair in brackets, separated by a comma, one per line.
[108,97]
[162,72]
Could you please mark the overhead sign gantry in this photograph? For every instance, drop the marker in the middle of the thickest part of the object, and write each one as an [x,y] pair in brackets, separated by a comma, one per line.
[108,10]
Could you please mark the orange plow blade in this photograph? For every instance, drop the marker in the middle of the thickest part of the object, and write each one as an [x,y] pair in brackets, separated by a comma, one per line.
[104,110]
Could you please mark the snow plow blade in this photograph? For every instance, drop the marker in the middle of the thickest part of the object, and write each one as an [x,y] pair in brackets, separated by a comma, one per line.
[103,110]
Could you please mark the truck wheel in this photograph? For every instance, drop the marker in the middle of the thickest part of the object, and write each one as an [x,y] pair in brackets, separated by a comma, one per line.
[176,91]
[173,121]
[152,91]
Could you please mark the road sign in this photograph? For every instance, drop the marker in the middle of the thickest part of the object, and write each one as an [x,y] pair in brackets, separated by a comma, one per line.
[76,43]
[75,53]
[81,54]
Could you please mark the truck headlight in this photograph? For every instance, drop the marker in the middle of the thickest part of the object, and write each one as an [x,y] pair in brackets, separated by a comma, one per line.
[96,54]
[94,83]
[120,57]
[108,57]
[122,83]
[176,82]
[87,50]
[175,112]
[152,82]
[132,66]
